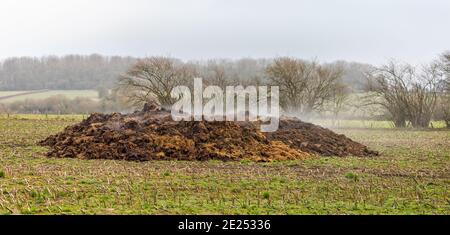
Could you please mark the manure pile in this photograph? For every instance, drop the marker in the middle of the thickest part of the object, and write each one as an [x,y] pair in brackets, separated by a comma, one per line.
[153,135]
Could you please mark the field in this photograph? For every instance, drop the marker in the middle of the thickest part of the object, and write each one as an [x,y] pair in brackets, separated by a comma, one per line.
[11,96]
[371,124]
[412,176]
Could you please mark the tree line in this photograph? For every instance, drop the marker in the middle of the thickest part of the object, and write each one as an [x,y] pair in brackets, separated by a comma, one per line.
[405,94]
[79,72]
[71,72]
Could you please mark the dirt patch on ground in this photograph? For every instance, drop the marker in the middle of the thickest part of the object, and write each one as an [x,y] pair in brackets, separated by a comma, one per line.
[152,134]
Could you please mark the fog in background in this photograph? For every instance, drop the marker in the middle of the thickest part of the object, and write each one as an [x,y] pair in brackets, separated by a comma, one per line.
[369,31]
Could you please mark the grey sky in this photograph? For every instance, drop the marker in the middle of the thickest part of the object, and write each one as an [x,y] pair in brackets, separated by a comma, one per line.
[357,30]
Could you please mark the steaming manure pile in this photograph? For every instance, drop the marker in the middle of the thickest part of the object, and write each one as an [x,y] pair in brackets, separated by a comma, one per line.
[153,135]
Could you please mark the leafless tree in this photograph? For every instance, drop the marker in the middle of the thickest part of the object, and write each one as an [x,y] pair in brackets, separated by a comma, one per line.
[443,110]
[152,79]
[216,73]
[323,87]
[304,86]
[291,75]
[407,94]
[339,98]
[423,96]
[444,65]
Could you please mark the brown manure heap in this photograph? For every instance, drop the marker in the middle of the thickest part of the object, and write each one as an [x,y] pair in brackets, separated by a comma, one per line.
[153,135]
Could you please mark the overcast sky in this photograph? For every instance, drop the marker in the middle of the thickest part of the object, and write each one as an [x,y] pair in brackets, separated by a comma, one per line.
[356,30]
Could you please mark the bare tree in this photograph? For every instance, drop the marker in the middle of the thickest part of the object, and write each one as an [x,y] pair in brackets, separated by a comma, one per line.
[443,111]
[216,73]
[422,98]
[304,86]
[323,86]
[152,79]
[291,75]
[444,65]
[339,98]
[408,95]
[445,62]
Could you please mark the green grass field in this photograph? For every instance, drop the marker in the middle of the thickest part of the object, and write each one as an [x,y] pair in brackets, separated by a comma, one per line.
[412,176]
[71,94]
